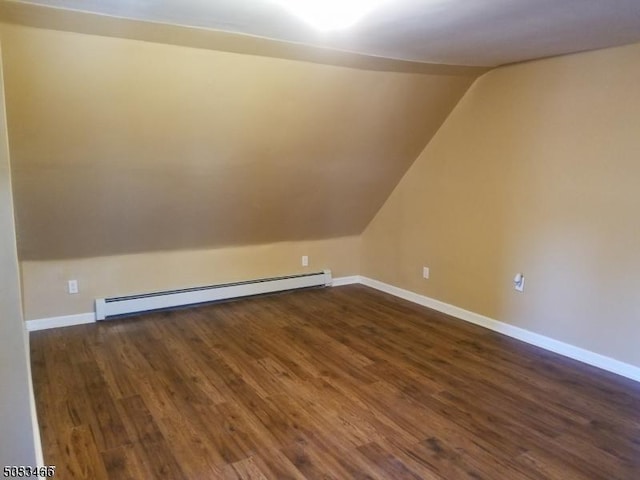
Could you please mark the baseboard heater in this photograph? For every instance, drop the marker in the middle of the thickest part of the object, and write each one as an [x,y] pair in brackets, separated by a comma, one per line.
[108,307]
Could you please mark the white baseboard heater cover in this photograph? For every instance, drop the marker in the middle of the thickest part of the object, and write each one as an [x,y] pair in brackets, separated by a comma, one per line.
[107,307]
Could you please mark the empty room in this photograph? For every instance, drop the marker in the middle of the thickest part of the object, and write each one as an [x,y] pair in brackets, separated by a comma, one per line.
[299,239]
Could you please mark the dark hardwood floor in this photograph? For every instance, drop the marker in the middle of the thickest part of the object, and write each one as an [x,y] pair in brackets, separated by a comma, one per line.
[335,383]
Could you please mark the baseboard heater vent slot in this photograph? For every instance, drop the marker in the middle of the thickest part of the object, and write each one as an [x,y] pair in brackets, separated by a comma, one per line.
[108,307]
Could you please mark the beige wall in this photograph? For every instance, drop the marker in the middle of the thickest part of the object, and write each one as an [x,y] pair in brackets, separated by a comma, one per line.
[122,146]
[45,281]
[536,171]
[140,166]
[17,445]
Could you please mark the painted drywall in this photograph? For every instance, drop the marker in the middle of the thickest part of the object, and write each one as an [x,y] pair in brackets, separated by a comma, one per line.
[17,445]
[535,171]
[45,282]
[122,146]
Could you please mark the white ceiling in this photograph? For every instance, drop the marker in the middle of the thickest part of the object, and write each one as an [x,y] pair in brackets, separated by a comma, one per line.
[455,32]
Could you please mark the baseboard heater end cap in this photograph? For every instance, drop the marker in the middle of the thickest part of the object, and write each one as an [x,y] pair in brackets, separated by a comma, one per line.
[101,309]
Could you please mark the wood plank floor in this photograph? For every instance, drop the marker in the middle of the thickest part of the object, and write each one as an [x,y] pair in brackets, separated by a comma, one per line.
[333,383]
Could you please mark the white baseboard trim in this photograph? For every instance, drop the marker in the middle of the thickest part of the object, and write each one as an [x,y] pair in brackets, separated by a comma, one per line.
[35,426]
[90,317]
[591,358]
[340,281]
[82,318]
[63,321]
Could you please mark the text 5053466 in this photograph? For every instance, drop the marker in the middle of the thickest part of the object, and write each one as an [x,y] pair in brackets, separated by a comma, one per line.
[22,471]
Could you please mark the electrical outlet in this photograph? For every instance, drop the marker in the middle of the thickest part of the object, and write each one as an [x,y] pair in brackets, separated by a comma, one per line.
[305,260]
[518,282]
[72,286]
[425,272]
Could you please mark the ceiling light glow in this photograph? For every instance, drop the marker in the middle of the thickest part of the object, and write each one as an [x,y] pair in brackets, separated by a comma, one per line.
[330,14]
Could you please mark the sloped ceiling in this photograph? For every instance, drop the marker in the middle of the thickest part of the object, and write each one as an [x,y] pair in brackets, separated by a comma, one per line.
[122,146]
[132,129]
